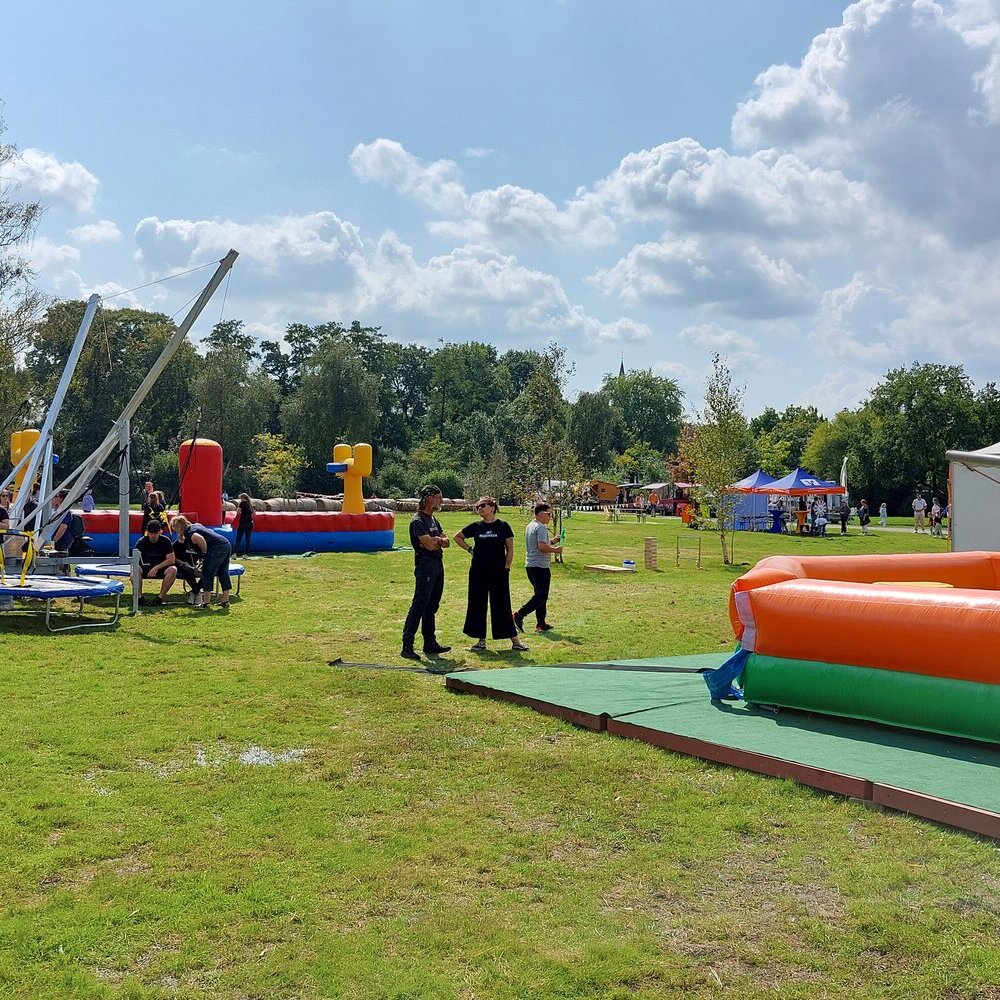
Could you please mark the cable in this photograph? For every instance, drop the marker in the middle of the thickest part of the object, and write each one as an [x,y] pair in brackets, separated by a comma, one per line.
[159,281]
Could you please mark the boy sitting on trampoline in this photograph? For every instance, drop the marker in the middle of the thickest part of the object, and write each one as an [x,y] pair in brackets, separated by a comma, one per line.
[156,560]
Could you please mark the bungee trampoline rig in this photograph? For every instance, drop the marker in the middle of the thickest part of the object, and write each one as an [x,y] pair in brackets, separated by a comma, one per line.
[38,526]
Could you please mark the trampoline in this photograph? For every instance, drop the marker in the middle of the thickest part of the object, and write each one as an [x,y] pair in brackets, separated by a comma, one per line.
[55,588]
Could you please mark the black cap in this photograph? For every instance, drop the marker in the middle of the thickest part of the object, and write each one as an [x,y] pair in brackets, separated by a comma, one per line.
[430,490]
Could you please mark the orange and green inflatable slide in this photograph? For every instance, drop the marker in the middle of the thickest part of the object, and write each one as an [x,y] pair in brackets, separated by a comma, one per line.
[907,640]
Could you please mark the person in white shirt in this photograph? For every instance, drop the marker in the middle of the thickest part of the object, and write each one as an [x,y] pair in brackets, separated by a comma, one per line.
[919,506]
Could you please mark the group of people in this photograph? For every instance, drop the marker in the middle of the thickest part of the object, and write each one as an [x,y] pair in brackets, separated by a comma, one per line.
[199,556]
[936,515]
[490,542]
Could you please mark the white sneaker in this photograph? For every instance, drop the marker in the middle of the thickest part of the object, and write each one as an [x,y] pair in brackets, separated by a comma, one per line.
[192,597]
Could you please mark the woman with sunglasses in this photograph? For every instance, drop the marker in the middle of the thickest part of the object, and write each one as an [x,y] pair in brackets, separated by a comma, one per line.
[489,576]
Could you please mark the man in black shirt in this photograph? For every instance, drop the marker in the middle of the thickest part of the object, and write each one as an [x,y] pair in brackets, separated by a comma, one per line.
[156,560]
[428,539]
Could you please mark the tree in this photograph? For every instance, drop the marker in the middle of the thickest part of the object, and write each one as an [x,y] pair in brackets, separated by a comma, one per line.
[720,447]
[20,301]
[336,401]
[279,464]
[593,429]
[649,405]
[233,401]
[781,438]
[917,414]
[122,347]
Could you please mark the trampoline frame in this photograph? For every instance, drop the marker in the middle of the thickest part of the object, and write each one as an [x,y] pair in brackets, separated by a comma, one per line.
[79,598]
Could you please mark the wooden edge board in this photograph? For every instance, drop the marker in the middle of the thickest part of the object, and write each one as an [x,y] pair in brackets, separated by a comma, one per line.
[586,720]
[972,818]
[749,760]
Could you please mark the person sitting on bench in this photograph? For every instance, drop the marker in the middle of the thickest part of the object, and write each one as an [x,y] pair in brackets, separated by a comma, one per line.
[187,559]
[156,560]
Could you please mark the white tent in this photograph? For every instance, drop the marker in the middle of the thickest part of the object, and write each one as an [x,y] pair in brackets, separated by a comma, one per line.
[974,481]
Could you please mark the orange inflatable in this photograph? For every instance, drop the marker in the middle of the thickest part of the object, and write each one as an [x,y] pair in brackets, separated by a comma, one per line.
[876,612]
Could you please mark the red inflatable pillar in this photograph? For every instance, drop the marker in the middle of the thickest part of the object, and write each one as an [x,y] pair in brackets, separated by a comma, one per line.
[200,469]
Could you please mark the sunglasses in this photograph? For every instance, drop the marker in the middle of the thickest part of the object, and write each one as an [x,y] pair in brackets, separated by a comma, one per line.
[482,506]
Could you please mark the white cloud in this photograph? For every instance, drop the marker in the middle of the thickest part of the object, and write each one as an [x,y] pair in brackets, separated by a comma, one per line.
[472,282]
[53,181]
[385,161]
[903,95]
[270,247]
[740,280]
[104,231]
[839,389]
[52,257]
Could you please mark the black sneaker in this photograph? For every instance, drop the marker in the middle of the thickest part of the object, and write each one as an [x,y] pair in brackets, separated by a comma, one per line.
[409,653]
[518,622]
[544,628]
[435,647]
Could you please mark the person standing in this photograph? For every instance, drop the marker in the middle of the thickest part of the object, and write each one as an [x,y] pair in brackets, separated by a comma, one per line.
[864,517]
[428,539]
[538,552]
[845,513]
[215,550]
[883,514]
[935,517]
[489,576]
[244,523]
[919,506]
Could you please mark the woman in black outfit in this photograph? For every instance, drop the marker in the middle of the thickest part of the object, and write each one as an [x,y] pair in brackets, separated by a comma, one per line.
[243,523]
[489,576]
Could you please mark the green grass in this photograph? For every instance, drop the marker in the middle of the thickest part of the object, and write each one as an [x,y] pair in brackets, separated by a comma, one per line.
[426,845]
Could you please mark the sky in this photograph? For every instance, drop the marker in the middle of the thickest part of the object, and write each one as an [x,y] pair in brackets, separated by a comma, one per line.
[810,189]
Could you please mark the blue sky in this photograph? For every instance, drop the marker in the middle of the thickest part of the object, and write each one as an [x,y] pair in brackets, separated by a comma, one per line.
[807,187]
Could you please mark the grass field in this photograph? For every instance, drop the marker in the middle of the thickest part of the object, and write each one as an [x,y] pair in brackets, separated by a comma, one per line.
[200,805]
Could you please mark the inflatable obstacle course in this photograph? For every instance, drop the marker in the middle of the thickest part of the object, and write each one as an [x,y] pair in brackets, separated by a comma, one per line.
[867,638]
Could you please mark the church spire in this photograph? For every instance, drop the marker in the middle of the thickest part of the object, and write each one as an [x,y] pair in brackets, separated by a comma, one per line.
[621,370]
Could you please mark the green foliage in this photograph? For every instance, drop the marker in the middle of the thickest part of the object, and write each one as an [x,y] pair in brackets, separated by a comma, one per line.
[650,407]
[279,464]
[594,430]
[781,439]
[720,448]
[233,400]
[336,401]
[20,301]
[641,463]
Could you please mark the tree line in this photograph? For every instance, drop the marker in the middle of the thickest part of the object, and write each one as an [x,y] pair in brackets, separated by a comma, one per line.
[465,415]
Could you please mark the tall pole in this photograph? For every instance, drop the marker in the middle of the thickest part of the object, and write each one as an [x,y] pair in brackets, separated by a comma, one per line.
[124,445]
[41,454]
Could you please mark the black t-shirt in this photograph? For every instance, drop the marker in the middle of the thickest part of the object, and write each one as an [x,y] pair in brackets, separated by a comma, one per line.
[246,514]
[490,550]
[152,551]
[420,525]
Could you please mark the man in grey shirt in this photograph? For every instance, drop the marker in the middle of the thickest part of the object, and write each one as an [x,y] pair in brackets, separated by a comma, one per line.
[537,559]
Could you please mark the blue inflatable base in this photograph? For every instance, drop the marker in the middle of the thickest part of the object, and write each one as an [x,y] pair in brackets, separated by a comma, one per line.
[288,543]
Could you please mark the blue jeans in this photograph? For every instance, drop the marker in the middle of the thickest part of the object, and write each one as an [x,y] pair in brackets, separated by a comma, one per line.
[428,587]
[216,566]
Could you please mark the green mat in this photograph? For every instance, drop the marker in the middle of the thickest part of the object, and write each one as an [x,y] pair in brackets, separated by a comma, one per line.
[657,697]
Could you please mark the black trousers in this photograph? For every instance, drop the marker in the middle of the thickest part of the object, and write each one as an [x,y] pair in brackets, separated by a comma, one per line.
[843,524]
[489,585]
[242,532]
[540,579]
[428,576]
